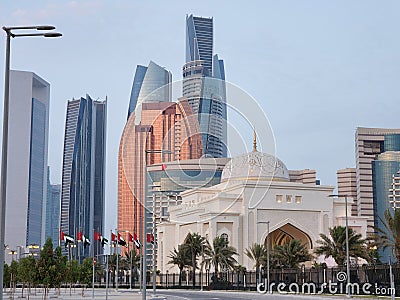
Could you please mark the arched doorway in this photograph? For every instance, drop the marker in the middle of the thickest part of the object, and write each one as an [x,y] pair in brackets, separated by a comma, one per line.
[287,232]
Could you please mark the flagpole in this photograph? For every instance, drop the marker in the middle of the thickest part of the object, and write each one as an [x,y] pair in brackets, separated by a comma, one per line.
[130,254]
[117,235]
[59,236]
[93,266]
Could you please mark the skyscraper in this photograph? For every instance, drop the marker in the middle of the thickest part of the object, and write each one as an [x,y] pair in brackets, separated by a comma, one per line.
[164,126]
[83,174]
[150,84]
[369,143]
[52,221]
[27,159]
[347,185]
[204,85]
[385,179]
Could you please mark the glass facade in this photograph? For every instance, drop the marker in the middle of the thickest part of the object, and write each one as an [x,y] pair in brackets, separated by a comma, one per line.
[52,210]
[199,41]
[384,167]
[83,185]
[204,85]
[36,172]
[150,84]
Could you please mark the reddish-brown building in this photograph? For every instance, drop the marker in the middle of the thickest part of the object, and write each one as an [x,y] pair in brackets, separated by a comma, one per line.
[164,126]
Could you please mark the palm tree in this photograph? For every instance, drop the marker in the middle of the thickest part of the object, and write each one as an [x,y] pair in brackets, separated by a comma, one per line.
[194,243]
[132,256]
[220,255]
[389,236]
[257,253]
[181,258]
[291,253]
[335,246]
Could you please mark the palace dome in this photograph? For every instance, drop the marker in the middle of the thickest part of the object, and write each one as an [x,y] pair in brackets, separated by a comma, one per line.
[255,165]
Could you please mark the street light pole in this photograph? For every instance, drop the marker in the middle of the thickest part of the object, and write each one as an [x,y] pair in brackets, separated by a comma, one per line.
[3,183]
[347,245]
[267,222]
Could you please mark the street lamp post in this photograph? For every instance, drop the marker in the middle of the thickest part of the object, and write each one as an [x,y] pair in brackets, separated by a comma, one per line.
[347,245]
[3,183]
[267,222]
[144,268]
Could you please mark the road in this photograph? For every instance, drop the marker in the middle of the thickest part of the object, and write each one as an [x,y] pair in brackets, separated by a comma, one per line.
[174,295]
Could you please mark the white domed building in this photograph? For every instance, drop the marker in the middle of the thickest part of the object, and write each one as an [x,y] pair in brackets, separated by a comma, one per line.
[255,198]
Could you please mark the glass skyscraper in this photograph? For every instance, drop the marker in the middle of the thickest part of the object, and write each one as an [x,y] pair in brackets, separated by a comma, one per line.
[52,210]
[150,84]
[27,160]
[83,176]
[384,168]
[204,85]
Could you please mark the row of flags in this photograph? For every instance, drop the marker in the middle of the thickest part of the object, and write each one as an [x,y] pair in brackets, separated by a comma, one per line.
[115,238]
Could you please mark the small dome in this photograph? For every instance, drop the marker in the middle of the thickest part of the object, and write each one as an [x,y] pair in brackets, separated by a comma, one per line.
[255,165]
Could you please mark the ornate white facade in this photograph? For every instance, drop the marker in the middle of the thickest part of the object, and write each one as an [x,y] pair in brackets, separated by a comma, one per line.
[255,189]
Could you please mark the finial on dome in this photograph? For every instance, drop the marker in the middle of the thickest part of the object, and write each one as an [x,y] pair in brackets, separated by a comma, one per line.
[255,140]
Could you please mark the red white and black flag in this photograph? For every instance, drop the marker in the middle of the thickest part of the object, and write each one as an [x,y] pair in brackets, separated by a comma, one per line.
[66,238]
[121,240]
[85,240]
[150,238]
[136,241]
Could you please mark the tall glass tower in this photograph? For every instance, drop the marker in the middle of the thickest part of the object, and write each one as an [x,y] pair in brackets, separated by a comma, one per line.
[385,182]
[83,177]
[150,84]
[204,85]
[27,160]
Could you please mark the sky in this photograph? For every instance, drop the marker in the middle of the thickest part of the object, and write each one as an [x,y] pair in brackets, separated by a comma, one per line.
[318,69]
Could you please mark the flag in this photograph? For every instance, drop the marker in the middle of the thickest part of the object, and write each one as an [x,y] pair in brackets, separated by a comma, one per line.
[113,237]
[130,238]
[121,240]
[79,236]
[97,236]
[85,240]
[68,239]
[61,235]
[163,167]
[103,241]
[150,238]
[136,241]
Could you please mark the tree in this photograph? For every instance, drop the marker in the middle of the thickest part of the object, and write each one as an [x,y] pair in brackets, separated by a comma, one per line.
[60,268]
[13,275]
[335,246]
[181,258]
[220,254]
[6,275]
[47,267]
[134,257]
[72,273]
[86,271]
[291,253]
[257,253]
[389,236]
[27,272]
[194,243]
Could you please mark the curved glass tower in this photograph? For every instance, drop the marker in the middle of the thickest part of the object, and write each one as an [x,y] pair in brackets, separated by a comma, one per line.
[385,182]
[150,84]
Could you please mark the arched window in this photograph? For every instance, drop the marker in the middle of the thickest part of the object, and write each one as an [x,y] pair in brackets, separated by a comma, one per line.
[225,237]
